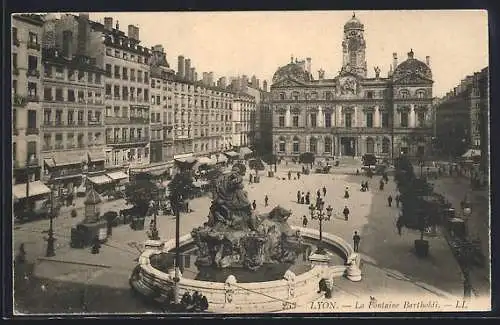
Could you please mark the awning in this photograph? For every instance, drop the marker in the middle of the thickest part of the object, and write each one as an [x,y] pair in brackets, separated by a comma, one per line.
[472,153]
[99,180]
[49,162]
[231,154]
[186,159]
[97,156]
[116,176]
[34,188]
[221,158]
[245,151]
[69,160]
[205,160]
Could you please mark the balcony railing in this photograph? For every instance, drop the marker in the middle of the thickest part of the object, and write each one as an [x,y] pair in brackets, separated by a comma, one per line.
[132,78]
[33,98]
[16,42]
[33,73]
[59,146]
[47,147]
[139,79]
[95,123]
[32,131]
[15,71]
[108,96]
[117,76]
[33,46]
[139,120]
[127,140]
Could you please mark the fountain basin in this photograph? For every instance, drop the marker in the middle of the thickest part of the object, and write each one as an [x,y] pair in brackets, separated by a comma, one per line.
[253,297]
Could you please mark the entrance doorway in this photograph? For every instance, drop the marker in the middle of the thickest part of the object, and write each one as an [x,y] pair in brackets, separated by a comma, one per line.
[347,145]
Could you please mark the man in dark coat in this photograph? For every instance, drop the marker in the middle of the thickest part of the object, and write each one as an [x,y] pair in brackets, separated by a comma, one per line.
[389,200]
[254,205]
[304,221]
[324,191]
[298,197]
[346,213]
[356,239]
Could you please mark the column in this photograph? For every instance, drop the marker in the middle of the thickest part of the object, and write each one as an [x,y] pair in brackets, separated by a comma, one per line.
[288,117]
[376,117]
[338,114]
[411,117]
[319,117]
[355,124]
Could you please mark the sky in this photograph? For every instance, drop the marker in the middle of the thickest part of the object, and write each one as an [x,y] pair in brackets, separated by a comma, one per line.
[258,43]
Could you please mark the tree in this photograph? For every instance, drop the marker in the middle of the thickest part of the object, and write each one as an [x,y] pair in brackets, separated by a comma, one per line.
[140,192]
[307,158]
[181,186]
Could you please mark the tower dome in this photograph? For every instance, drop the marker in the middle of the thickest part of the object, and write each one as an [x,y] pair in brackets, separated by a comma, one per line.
[292,70]
[412,66]
[353,23]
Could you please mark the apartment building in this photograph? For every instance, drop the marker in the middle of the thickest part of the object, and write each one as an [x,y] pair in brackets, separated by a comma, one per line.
[26,91]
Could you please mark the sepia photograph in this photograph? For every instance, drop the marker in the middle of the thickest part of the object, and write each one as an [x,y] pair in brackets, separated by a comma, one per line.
[250,162]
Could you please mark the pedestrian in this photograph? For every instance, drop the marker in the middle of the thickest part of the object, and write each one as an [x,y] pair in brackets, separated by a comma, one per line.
[356,239]
[254,205]
[366,185]
[21,256]
[381,186]
[298,175]
[346,193]
[96,245]
[298,197]
[389,200]
[318,193]
[346,213]
[251,178]
[308,198]
[302,198]
[398,199]
[357,172]
[266,201]
[399,225]
[289,175]
[304,221]
[324,191]
[109,226]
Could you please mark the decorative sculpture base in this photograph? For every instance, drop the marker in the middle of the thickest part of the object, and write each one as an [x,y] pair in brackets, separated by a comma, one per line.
[353,271]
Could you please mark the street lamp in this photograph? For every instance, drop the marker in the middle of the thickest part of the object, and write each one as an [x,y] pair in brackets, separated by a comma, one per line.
[50,239]
[154,232]
[318,213]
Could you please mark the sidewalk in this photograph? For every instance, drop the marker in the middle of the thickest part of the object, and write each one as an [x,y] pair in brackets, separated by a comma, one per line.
[454,189]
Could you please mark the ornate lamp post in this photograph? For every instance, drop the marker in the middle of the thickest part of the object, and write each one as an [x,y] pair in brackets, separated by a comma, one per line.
[50,239]
[154,232]
[318,213]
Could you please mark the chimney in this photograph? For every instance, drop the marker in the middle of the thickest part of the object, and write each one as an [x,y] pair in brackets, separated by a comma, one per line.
[180,66]
[394,60]
[308,65]
[187,68]
[191,74]
[210,79]
[428,60]
[195,77]
[254,81]
[117,27]
[223,82]
[67,44]
[205,78]
[264,85]
[83,33]
[108,23]
[131,32]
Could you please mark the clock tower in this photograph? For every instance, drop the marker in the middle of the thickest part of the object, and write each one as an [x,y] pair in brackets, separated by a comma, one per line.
[353,48]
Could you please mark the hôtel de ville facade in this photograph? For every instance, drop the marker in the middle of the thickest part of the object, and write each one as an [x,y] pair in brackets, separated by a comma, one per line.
[351,114]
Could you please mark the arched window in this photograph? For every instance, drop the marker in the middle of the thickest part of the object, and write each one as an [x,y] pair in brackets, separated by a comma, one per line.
[282,144]
[352,59]
[282,96]
[328,95]
[386,143]
[296,144]
[295,95]
[328,145]
[313,145]
[421,93]
[370,146]
[404,93]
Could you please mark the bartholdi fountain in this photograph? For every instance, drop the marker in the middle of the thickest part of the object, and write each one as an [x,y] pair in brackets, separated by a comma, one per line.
[235,238]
